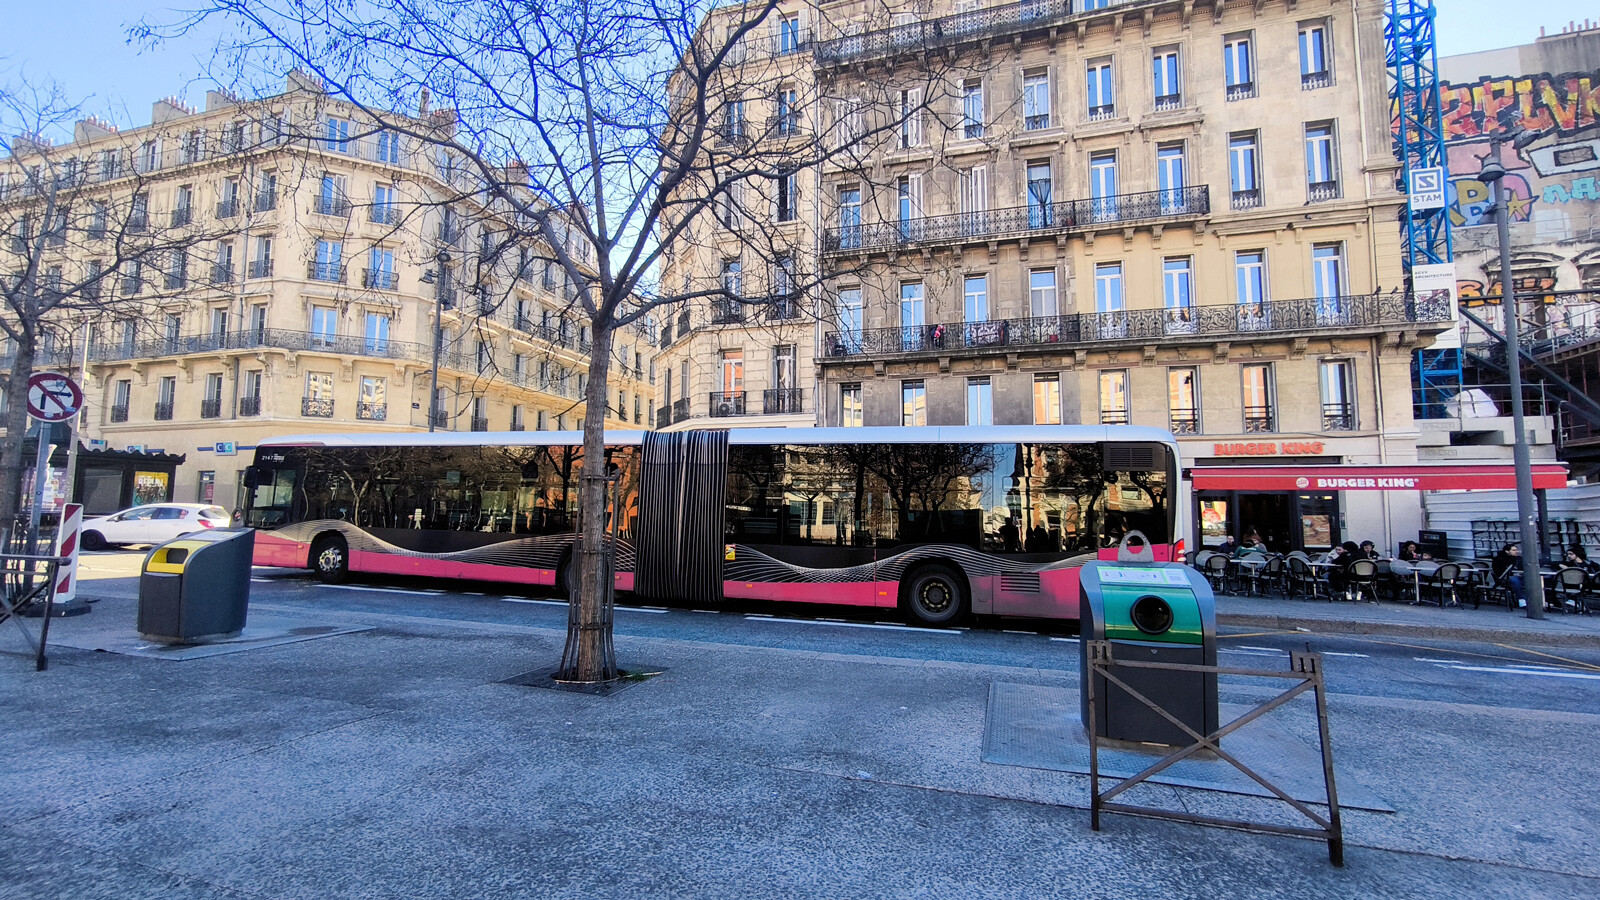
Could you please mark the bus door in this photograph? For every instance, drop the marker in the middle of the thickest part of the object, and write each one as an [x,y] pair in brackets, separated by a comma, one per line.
[682,483]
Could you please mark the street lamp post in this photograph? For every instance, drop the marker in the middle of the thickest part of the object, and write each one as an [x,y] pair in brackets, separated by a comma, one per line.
[441,281]
[1493,173]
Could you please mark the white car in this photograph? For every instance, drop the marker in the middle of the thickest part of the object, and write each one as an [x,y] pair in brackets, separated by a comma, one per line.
[153,523]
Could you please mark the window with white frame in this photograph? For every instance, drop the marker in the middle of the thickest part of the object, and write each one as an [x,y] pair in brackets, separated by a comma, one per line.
[1036,99]
[975,298]
[849,217]
[980,401]
[1244,170]
[972,108]
[1260,413]
[1315,70]
[1322,163]
[1041,191]
[1047,399]
[913,403]
[1043,301]
[1338,394]
[911,118]
[850,409]
[1250,288]
[1238,67]
[788,196]
[338,135]
[1114,396]
[1167,84]
[1101,91]
[1171,177]
[1177,288]
[1183,400]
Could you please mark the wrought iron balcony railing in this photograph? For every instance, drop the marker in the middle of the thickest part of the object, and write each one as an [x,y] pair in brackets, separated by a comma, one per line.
[164,411]
[1338,417]
[221,274]
[1320,191]
[211,408]
[383,214]
[1259,420]
[1346,313]
[382,279]
[318,409]
[1113,417]
[967,26]
[182,215]
[1066,215]
[1245,199]
[480,424]
[1242,91]
[680,409]
[1310,81]
[261,268]
[227,209]
[119,413]
[782,401]
[1184,421]
[663,417]
[249,406]
[267,201]
[372,412]
[332,206]
[332,273]
[727,403]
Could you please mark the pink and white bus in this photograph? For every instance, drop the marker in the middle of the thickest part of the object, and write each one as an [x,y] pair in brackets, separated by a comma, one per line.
[938,522]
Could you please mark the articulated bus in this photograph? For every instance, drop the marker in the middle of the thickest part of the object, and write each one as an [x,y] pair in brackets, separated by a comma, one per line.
[937,522]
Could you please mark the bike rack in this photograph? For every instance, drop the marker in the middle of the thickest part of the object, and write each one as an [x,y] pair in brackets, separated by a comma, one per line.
[1304,668]
[26,580]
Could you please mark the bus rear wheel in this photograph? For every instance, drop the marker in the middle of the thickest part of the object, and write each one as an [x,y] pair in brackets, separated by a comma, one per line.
[936,595]
[330,559]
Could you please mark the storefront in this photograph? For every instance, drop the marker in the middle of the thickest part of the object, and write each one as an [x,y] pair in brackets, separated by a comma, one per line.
[1311,506]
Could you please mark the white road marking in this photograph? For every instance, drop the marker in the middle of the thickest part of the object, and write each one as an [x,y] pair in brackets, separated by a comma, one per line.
[376,590]
[1016,631]
[1509,671]
[1242,652]
[1351,655]
[643,609]
[1448,662]
[1267,649]
[535,602]
[1073,640]
[842,624]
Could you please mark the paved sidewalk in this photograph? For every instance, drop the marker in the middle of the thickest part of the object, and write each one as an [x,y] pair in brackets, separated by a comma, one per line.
[394,762]
[1490,623]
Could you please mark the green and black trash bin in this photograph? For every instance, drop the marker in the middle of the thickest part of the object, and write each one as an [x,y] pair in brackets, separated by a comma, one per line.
[1149,612]
[196,588]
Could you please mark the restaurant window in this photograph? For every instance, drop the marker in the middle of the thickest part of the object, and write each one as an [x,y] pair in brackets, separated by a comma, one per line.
[913,403]
[1047,399]
[1183,400]
[1259,402]
[1338,395]
[1114,397]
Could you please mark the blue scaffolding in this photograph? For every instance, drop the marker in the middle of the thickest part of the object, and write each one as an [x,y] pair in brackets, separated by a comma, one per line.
[1412,56]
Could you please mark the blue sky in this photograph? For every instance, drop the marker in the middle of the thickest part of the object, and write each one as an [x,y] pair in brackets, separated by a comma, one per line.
[83,44]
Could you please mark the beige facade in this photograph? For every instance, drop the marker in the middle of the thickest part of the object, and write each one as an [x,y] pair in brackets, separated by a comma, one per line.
[1160,213]
[327,251]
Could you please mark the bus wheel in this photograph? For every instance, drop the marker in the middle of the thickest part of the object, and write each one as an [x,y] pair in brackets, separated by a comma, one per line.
[330,559]
[935,595]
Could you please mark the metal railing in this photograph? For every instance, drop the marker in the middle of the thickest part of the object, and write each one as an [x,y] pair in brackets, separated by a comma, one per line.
[1113,417]
[1320,191]
[332,206]
[383,279]
[480,424]
[119,413]
[373,412]
[1242,91]
[967,26]
[1338,417]
[663,417]
[1259,420]
[266,201]
[164,411]
[221,274]
[260,268]
[727,403]
[1310,81]
[249,406]
[320,409]
[1245,199]
[1065,215]
[227,209]
[211,408]
[1184,421]
[680,409]
[383,215]
[182,215]
[332,273]
[782,401]
[1365,311]
[1169,102]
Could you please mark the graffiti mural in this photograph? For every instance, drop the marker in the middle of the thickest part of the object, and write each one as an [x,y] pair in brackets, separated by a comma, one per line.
[1544,103]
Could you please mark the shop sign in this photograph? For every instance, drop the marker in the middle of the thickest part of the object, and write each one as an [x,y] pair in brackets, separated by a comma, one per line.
[1269,448]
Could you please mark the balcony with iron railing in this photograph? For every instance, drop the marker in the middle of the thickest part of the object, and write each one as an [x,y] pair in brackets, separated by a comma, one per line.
[175,281]
[250,406]
[727,403]
[316,409]
[266,201]
[782,401]
[1311,81]
[1241,91]
[1169,102]
[372,412]
[1259,420]
[221,273]
[383,214]
[965,27]
[1184,421]
[211,408]
[119,413]
[1362,313]
[1113,417]
[260,268]
[227,209]
[331,206]
[680,409]
[182,215]
[164,411]
[441,419]
[1248,198]
[725,312]
[1023,221]
[480,423]
[663,417]
[1322,191]
[1338,417]
[381,279]
[332,273]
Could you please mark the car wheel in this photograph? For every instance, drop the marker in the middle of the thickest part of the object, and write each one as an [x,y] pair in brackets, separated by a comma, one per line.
[94,540]
[935,595]
[330,559]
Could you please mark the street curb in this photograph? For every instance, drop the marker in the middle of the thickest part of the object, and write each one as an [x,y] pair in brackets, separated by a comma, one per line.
[1397,629]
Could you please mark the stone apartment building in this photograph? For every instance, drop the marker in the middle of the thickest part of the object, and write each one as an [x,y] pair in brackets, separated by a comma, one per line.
[1176,213]
[334,250]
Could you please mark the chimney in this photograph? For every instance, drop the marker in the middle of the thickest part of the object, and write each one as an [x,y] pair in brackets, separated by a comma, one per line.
[220,100]
[422,105]
[168,108]
[91,129]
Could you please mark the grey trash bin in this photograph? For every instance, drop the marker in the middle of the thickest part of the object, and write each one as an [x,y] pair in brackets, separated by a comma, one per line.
[1152,612]
[197,587]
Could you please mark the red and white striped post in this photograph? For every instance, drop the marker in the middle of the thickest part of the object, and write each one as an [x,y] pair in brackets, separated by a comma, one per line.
[67,550]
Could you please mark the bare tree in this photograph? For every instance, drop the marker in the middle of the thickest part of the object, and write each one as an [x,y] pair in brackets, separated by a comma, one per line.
[80,247]
[604,138]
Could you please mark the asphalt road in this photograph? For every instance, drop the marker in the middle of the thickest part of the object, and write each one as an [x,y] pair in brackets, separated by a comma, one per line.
[1493,674]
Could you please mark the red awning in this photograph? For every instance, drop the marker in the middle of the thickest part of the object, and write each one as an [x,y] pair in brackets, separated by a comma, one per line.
[1420,477]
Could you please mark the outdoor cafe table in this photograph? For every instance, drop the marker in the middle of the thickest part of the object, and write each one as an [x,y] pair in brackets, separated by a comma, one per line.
[1255,564]
[1417,569]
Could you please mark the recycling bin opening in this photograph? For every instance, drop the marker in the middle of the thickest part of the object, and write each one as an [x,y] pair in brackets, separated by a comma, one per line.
[1156,613]
[196,588]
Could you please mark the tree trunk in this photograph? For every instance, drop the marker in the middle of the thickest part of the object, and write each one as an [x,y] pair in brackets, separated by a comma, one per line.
[16,425]
[590,656]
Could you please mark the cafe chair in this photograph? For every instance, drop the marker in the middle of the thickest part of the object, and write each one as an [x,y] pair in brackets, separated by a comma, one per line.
[1363,575]
[1445,580]
[1276,574]
[1572,586]
[1215,568]
[1302,578]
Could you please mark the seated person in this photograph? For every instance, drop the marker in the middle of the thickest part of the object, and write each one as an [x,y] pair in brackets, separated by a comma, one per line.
[1579,558]
[1250,548]
[1228,546]
[1410,553]
[1336,564]
[1368,550]
[1507,568]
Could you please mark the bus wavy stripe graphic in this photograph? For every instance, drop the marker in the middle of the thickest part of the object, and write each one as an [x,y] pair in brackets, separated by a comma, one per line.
[748,564]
